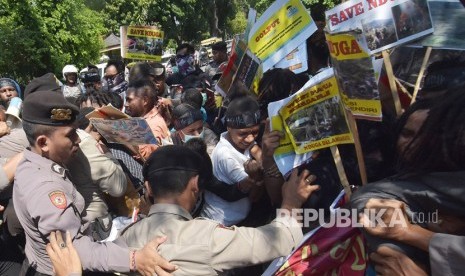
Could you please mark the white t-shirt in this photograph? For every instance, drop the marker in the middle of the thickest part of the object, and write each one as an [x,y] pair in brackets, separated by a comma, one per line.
[228,167]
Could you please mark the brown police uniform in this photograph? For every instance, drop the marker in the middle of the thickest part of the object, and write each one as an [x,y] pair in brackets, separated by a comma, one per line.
[205,247]
[94,173]
[45,199]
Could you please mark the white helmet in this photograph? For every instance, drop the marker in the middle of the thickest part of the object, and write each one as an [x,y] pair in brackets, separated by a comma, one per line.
[69,69]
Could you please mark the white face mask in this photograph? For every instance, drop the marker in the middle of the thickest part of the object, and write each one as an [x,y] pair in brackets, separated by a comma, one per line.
[204,98]
[187,137]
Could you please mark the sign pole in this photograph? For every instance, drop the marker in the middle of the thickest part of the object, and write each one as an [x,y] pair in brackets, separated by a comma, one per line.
[421,73]
[392,82]
[358,148]
[340,170]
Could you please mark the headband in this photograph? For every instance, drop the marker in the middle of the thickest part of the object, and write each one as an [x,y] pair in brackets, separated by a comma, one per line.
[243,120]
[187,118]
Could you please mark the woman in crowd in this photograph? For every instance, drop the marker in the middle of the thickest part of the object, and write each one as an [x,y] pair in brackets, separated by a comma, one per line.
[428,187]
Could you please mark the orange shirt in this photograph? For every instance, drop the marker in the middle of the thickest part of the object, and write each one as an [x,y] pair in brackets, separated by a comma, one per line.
[159,129]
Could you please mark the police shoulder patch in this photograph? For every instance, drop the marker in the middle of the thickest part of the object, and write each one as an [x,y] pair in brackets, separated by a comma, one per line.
[58,199]
[58,169]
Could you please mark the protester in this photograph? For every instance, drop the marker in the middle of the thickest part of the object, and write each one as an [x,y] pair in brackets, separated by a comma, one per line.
[188,123]
[236,146]
[428,181]
[174,177]
[114,81]
[8,90]
[186,66]
[141,102]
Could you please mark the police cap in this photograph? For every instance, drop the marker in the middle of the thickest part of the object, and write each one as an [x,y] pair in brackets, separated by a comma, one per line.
[49,108]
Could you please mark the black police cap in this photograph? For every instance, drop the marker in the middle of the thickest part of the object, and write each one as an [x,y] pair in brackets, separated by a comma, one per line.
[49,108]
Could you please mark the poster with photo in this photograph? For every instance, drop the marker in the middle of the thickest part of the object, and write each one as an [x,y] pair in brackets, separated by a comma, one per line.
[315,118]
[383,24]
[131,131]
[226,79]
[448,19]
[353,67]
[141,42]
[247,69]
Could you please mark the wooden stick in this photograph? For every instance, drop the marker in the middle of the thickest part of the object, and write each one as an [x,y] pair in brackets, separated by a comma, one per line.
[392,82]
[358,147]
[420,74]
[340,170]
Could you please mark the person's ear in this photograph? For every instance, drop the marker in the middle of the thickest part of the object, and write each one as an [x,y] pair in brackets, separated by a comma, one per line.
[148,188]
[194,184]
[43,142]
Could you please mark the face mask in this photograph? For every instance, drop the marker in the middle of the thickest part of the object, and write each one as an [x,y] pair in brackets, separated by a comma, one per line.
[204,98]
[185,64]
[187,137]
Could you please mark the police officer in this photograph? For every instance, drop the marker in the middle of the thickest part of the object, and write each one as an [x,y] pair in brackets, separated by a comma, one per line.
[45,199]
[174,177]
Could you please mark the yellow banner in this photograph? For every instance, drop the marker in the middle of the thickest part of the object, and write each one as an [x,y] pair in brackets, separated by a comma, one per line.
[315,118]
[328,142]
[345,46]
[284,24]
[312,95]
[141,42]
[369,108]
[354,71]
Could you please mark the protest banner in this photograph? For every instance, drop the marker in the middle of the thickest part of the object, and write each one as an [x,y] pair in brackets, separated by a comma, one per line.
[329,249]
[247,69]
[287,155]
[226,79]
[141,42]
[296,61]
[384,24]
[284,26]
[354,72]
[448,18]
[314,118]
[131,131]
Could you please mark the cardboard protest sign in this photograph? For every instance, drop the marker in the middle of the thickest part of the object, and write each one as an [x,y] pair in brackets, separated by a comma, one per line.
[131,131]
[315,118]
[285,157]
[251,17]
[296,61]
[384,24]
[284,26]
[107,112]
[226,79]
[448,19]
[247,69]
[354,72]
[141,42]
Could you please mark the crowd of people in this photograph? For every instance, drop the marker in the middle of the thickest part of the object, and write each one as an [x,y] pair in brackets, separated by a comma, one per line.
[203,199]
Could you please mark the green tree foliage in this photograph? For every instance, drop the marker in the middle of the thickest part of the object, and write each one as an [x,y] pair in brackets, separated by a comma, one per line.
[42,36]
